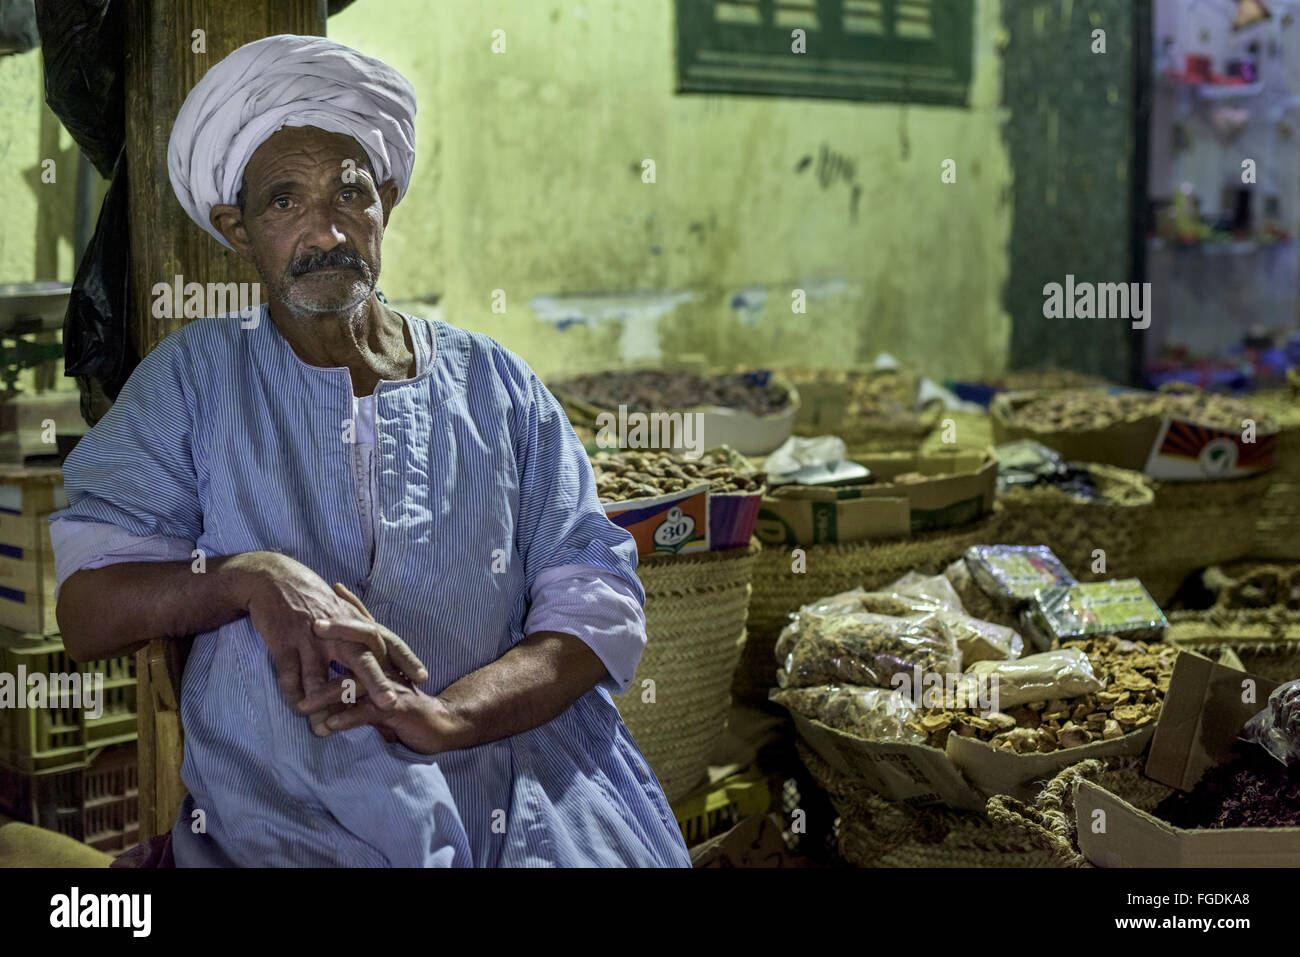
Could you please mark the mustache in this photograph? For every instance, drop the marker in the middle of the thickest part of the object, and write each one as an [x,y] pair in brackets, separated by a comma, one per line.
[328,259]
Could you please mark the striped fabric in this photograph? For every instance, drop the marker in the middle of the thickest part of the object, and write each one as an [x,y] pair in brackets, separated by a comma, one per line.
[225,438]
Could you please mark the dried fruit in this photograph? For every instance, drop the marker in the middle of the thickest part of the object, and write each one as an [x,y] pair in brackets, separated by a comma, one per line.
[654,390]
[621,476]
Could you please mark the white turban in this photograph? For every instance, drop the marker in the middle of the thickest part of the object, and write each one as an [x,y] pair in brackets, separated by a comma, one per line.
[286,81]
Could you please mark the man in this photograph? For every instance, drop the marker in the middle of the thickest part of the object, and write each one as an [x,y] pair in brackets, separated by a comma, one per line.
[251,461]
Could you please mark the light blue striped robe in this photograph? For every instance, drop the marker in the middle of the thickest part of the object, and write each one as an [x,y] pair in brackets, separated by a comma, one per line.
[224,437]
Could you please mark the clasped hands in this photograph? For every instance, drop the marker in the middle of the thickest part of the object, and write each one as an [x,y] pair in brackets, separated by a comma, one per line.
[306,625]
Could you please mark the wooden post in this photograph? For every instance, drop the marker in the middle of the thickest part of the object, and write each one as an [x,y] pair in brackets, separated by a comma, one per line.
[161,68]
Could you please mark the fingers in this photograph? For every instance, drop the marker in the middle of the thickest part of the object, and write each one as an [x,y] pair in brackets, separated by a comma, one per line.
[314,666]
[341,590]
[378,640]
[341,691]
[403,658]
[368,634]
[288,674]
[363,712]
[378,686]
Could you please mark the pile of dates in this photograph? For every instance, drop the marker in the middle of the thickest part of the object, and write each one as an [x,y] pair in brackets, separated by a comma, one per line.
[652,390]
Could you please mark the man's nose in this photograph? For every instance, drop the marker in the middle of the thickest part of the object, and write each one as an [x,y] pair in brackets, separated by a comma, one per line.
[321,228]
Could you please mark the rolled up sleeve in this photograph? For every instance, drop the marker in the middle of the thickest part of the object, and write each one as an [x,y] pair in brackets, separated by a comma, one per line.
[596,607]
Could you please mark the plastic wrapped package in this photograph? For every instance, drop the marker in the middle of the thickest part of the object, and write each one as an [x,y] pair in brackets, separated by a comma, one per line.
[1120,607]
[980,640]
[1277,728]
[866,649]
[1053,675]
[1011,574]
[973,599]
[876,714]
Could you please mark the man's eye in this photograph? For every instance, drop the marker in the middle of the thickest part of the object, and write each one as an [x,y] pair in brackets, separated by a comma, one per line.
[281,202]
[348,195]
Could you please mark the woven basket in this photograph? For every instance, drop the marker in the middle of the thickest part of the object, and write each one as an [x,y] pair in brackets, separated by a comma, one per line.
[695,612]
[1266,640]
[1116,522]
[1255,584]
[1277,531]
[1048,823]
[874,832]
[829,569]
[1195,524]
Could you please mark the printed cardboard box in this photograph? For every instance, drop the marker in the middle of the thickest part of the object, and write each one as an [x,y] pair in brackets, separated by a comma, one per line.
[1162,447]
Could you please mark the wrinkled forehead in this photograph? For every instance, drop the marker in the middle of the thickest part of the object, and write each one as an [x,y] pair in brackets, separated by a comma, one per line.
[305,150]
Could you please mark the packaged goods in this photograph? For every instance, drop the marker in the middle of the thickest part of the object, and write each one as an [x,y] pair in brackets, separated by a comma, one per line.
[915,594]
[1277,728]
[973,599]
[865,649]
[876,714]
[1011,574]
[1054,675]
[1118,607]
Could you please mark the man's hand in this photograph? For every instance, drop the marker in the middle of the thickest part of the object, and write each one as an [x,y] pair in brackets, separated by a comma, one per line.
[419,721]
[284,598]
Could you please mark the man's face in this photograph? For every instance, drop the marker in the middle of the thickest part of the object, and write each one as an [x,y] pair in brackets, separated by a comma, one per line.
[312,221]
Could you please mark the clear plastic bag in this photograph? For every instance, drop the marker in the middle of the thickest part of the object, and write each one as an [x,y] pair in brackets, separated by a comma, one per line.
[1277,728]
[1062,674]
[866,649]
[876,714]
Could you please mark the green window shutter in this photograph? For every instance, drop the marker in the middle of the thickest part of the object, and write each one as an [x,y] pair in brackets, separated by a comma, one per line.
[900,51]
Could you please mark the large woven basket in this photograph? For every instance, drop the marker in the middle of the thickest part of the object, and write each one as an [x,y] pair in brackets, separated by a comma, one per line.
[1115,522]
[828,569]
[874,832]
[1265,640]
[1049,824]
[1277,531]
[1195,524]
[695,612]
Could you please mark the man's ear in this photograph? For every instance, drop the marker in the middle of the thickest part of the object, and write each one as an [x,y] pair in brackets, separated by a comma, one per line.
[388,197]
[229,221]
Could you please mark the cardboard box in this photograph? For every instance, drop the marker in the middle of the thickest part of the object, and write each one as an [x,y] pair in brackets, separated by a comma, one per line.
[962,775]
[898,771]
[1200,721]
[1162,447]
[961,492]
[827,515]
[995,771]
[676,523]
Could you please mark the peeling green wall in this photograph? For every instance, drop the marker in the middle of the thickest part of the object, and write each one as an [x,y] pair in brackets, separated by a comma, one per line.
[36,234]
[529,180]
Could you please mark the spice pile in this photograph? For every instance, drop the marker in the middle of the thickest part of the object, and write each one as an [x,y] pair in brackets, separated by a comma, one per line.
[1251,789]
[621,476]
[653,390]
[1073,410]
